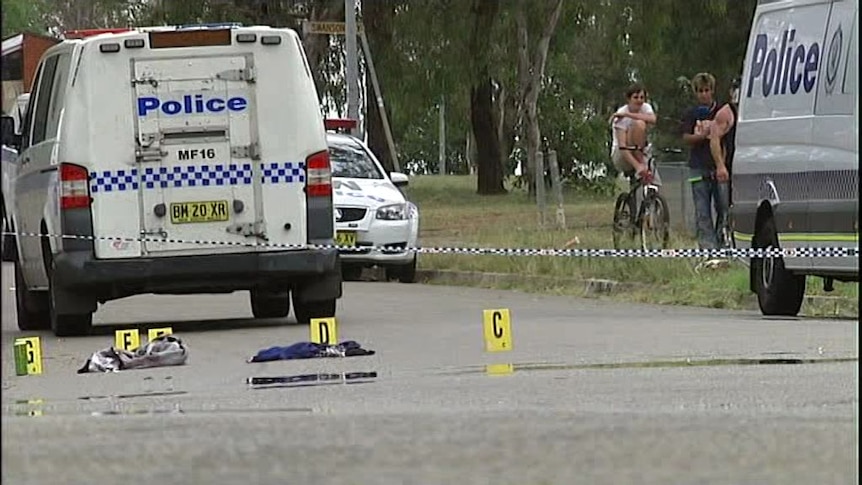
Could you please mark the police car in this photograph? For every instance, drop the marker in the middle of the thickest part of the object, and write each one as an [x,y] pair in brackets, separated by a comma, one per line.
[160,155]
[371,212]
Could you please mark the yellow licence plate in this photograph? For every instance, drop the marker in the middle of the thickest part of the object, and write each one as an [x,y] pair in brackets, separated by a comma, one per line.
[345,238]
[204,211]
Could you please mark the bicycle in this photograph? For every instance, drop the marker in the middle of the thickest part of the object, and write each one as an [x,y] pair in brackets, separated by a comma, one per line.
[651,218]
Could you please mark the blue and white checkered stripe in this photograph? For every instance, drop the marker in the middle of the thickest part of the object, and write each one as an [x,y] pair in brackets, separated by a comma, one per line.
[283,173]
[194,176]
[817,252]
[116,181]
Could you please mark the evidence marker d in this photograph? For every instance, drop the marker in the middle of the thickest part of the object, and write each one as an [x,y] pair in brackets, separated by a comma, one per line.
[323,331]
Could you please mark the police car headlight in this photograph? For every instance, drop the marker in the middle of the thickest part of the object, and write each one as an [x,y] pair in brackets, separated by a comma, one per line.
[394,212]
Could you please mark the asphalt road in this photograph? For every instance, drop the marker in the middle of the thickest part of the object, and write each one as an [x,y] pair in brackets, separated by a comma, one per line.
[433,415]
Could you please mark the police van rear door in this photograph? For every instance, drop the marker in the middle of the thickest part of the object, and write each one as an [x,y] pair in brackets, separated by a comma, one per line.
[197,154]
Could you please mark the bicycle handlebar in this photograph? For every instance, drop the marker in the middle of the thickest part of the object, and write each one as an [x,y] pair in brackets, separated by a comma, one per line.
[637,148]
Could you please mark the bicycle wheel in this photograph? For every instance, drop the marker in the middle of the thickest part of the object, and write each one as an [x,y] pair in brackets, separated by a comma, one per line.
[623,227]
[654,223]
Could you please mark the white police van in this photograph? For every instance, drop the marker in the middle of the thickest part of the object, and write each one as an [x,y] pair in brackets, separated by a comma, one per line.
[796,168]
[184,160]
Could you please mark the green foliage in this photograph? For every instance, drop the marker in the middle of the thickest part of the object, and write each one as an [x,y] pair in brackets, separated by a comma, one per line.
[20,16]
[677,39]
[598,48]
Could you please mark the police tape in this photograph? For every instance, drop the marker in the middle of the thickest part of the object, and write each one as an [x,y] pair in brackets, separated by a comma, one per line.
[800,252]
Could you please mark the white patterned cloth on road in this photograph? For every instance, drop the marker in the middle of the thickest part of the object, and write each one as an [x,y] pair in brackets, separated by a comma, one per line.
[166,350]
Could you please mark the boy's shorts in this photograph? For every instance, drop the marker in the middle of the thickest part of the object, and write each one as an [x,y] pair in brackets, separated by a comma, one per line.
[623,166]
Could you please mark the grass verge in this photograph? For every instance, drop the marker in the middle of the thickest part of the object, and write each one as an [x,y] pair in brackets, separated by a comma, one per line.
[452,215]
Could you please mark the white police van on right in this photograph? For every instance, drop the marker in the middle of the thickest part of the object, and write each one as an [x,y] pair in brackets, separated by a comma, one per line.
[796,168]
[182,160]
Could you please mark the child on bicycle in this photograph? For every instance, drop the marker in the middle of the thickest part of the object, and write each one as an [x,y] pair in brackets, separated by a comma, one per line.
[630,126]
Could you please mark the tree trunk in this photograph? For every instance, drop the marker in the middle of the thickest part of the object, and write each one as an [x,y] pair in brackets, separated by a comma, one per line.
[490,170]
[489,162]
[533,137]
[524,83]
[377,18]
[535,73]
[316,45]
[509,118]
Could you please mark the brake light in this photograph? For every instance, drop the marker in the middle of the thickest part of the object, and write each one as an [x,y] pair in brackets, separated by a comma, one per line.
[319,180]
[340,124]
[189,38]
[74,193]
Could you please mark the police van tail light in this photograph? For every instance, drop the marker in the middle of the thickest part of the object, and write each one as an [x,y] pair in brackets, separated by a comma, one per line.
[74,193]
[319,182]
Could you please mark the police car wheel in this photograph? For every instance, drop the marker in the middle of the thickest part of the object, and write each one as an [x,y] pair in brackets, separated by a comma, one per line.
[270,304]
[407,273]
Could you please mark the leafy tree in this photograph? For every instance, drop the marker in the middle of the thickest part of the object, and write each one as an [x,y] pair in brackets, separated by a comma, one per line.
[22,15]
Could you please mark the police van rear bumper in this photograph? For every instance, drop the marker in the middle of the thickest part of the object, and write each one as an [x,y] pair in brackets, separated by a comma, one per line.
[315,274]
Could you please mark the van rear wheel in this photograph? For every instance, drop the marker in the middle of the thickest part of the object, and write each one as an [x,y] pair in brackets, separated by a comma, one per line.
[31,306]
[270,304]
[307,310]
[66,324]
[63,324]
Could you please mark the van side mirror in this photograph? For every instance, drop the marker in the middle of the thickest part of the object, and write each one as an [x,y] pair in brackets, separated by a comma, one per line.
[7,133]
[399,179]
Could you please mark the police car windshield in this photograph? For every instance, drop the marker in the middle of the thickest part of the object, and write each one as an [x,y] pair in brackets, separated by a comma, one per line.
[350,160]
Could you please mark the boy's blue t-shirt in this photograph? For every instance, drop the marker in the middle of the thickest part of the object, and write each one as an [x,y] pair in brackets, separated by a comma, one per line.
[699,154]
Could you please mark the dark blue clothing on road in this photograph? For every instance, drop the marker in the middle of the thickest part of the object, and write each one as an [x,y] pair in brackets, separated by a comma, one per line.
[310,350]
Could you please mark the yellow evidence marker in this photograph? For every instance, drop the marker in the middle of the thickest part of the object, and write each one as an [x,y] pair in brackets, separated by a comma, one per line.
[127,339]
[28,356]
[498,330]
[324,331]
[155,333]
[499,369]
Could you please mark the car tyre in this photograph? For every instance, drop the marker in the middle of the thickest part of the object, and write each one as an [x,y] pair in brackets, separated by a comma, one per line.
[305,311]
[32,306]
[9,250]
[66,324]
[351,272]
[270,304]
[407,273]
[779,292]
